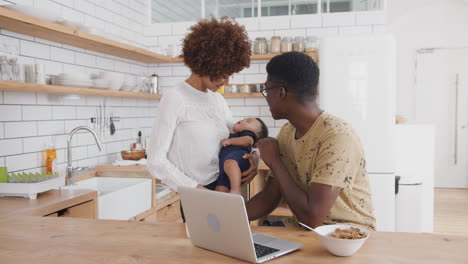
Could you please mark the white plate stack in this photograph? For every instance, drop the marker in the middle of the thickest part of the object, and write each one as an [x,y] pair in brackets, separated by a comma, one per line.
[72,79]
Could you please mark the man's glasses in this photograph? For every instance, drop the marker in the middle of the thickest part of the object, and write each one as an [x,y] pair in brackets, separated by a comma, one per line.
[265,90]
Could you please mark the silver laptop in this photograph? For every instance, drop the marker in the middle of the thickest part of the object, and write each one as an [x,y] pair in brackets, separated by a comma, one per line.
[218,222]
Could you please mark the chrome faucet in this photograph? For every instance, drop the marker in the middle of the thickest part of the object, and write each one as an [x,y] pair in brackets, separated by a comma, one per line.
[70,170]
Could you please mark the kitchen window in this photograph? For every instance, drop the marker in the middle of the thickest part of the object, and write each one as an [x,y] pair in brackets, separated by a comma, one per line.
[193,10]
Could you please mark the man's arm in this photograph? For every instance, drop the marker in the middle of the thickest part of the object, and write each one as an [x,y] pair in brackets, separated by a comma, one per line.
[245,141]
[265,201]
[309,207]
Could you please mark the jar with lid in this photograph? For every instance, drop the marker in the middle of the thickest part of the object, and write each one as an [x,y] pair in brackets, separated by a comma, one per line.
[260,46]
[286,44]
[275,44]
[311,44]
[299,44]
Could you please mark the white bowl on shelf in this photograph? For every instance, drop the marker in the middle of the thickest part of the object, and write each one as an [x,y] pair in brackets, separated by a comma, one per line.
[101,83]
[74,25]
[75,76]
[115,84]
[129,83]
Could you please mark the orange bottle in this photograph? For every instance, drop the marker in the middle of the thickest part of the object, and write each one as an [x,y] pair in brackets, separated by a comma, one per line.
[51,160]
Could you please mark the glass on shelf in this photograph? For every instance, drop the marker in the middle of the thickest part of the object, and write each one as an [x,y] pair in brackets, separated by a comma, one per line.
[311,44]
[275,46]
[244,88]
[12,59]
[3,63]
[232,88]
[299,44]
[286,44]
[260,46]
[143,83]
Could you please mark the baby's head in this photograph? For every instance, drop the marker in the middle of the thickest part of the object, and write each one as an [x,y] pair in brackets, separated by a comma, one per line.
[255,125]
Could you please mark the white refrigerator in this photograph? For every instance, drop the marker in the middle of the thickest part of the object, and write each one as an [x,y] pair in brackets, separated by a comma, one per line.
[357,83]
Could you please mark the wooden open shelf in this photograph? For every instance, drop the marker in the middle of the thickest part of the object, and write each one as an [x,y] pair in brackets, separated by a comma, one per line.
[313,55]
[28,25]
[40,88]
[243,95]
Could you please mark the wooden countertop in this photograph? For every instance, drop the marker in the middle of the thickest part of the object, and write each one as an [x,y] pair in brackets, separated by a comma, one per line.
[72,240]
[45,203]
[142,168]
[112,168]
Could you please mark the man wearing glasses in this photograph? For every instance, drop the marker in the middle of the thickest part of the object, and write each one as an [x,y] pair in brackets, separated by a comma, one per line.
[317,161]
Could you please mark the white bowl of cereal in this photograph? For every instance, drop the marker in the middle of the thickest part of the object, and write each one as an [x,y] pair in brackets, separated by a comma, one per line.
[342,239]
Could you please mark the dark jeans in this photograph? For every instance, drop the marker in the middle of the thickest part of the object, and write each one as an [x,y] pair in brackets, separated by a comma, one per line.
[210,186]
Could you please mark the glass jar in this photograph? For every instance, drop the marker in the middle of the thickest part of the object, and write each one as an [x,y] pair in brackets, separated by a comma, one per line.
[275,45]
[244,88]
[311,44]
[260,46]
[286,44]
[299,44]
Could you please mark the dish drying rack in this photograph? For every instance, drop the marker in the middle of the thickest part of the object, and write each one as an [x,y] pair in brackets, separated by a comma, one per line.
[28,185]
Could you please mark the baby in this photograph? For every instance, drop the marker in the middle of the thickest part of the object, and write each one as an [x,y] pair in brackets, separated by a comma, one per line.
[231,164]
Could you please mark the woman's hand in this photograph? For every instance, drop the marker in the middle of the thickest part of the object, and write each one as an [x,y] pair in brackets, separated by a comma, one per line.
[252,171]
[269,150]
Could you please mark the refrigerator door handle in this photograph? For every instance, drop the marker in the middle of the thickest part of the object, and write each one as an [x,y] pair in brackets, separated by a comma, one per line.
[397,183]
[455,152]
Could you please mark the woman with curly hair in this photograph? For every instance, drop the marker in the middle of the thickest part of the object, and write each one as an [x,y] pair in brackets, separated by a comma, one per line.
[193,118]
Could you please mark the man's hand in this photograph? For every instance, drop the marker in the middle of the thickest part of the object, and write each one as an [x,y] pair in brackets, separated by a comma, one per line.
[252,171]
[269,150]
[225,142]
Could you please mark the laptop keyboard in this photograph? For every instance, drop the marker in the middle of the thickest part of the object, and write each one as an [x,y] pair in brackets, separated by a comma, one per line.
[262,251]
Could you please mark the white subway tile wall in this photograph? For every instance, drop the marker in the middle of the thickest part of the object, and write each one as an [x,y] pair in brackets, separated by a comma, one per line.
[29,122]
[20,129]
[11,147]
[2,131]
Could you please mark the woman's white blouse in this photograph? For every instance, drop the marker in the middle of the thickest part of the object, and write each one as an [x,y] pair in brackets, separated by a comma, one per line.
[186,136]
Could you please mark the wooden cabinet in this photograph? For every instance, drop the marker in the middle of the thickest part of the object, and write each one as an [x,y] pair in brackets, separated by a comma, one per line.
[170,212]
[53,203]
[146,216]
[166,209]
[83,210]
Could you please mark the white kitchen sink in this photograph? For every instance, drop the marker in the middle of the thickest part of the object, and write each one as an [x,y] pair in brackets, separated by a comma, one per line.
[118,198]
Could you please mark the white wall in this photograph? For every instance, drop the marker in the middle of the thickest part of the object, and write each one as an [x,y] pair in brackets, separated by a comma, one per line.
[322,25]
[423,24]
[30,120]
[119,19]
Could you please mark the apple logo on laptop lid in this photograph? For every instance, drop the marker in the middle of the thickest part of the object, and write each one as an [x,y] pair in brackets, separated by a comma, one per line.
[213,222]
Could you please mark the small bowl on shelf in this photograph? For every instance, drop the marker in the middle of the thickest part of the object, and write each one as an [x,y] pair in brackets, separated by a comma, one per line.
[132,154]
